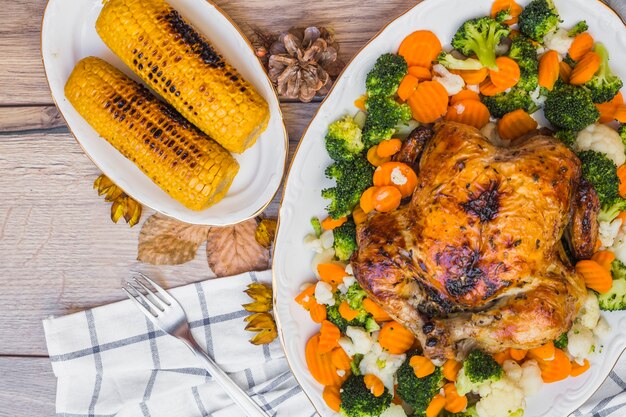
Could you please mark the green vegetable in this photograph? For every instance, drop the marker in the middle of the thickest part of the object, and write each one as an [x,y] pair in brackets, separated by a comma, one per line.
[386,75]
[569,61]
[371,325]
[578,28]
[317,226]
[538,19]
[333,316]
[478,368]
[504,103]
[352,177]
[470,412]
[601,172]
[417,392]
[355,296]
[354,364]
[570,108]
[383,115]
[343,140]
[503,15]
[561,341]
[480,37]
[567,137]
[525,54]
[358,401]
[604,85]
[615,299]
[449,61]
[345,240]
[622,133]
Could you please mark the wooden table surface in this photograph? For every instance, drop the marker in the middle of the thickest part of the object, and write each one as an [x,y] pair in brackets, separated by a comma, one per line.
[59,251]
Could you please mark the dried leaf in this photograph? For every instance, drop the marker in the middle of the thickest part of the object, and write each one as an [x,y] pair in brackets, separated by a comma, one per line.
[233,249]
[258,306]
[117,209]
[265,232]
[259,292]
[132,214]
[264,337]
[165,241]
[260,321]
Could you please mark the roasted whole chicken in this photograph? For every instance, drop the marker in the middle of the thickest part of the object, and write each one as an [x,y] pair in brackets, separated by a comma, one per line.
[477,258]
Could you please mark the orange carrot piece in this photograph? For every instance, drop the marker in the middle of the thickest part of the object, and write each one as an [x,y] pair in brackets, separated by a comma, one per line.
[395,338]
[599,243]
[604,258]
[421,73]
[595,275]
[518,354]
[332,398]
[387,198]
[557,369]
[420,48]
[621,174]
[549,69]
[388,147]
[346,312]
[451,369]
[578,369]
[513,8]
[422,366]
[374,159]
[329,223]
[317,312]
[489,89]
[507,74]
[429,102]
[585,69]
[374,384]
[359,103]
[331,273]
[620,113]
[472,77]
[516,124]
[464,95]
[376,311]
[500,357]
[544,353]
[455,403]
[565,71]
[469,112]
[403,175]
[367,199]
[340,359]
[582,44]
[329,337]
[306,297]
[358,215]
[320,365]
[622,217]
[608,110]
[407,87]
[435,406]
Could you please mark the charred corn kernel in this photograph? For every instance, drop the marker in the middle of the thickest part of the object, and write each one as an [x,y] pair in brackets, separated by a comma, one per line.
[180,159]
[160,46]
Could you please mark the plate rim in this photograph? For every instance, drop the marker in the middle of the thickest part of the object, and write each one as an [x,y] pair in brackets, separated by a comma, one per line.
[287,176]
[285,166]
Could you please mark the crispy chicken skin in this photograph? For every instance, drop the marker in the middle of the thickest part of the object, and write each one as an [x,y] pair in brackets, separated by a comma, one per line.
[476,256]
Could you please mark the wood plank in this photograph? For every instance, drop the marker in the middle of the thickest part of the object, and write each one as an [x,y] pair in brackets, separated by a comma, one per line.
[22,79]
[18,119]
[27,387]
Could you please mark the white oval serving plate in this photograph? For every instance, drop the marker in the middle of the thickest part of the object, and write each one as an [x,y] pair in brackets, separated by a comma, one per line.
[301,199]
[68,34]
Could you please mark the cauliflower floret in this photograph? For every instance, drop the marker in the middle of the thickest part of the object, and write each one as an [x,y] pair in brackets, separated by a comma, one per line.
[589,313]
[608,231]
[512,370]
[361,339]
[324,293]
[349,271]
[603,328]
[531,381]
[347,345]
[451,82]
[490,131]
[324,257]
[538,98]
[394,410]
[473,87]
[382,364]
[601,138]
[619,246]
[312,242]
[327,239]
[348,280]
[558,41]
[580,342]
[502,398]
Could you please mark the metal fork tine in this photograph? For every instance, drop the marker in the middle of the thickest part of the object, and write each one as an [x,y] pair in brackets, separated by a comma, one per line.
[150,293]
[167,298]
[147,300]
[145,310]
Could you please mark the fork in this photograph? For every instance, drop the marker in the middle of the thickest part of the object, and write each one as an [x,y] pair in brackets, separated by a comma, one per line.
[167,314]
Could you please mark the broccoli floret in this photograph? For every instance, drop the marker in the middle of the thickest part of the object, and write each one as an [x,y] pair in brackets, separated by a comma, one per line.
[417,392]
[569,61]
[570,108]
[568,137]
[561,341]
[615,299]
[503,15]
[449,61]
[604,85]
[504,103]
[317,226]
[622,133]
[480,37]
[333,316]
[386,75]
[355,362]
[538,19]
[601,172]
[345,240]
[478,368]
[469,412]
[358,401]
[343,140]
[578,28]
[355,296]
[353,177]
[383,115]
[525,54]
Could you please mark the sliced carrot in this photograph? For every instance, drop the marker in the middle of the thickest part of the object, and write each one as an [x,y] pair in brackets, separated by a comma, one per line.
[407,87]
[396,174]
[422,366]
[604,258]
[387,198]
[578,369]
[376,311]
[421,73]
[599,243]
[388,147]
[620,113]
[622,217]
[544,353]
[549,69]
[516,124]
[332,398]
[346,312]
[621,174]
[464,95]
[507,74]
[317,312]
[489,89]
[608,110]
[556,369]
[472,77]
[585,69]
[581,44]
[455,403]
[565,71]
[420,48]
[306,297]
[469,112]
[518,354]
[331,273]
[329,337]
[329,223]
[500,357]
[429,102]
[340,359]
[320,365]
[374,384]
[451,369]
[367,200]
[595,275]
[435,406]
[359,103]
[513,8]
[374,159]
[358,215]
[395,338]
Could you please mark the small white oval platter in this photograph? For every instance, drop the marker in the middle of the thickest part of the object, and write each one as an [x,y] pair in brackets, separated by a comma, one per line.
[69,34]
[301,200]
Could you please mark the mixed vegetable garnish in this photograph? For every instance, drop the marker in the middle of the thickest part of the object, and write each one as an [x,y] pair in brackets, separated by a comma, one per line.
[501,70]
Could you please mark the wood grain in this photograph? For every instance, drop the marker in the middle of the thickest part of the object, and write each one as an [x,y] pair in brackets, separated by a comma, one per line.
[27,387]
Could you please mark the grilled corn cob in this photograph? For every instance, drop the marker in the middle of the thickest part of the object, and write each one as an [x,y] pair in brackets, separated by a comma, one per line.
[160,46]
[180,159]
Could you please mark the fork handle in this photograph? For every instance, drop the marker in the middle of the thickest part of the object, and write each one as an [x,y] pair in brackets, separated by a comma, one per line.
[239,396]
